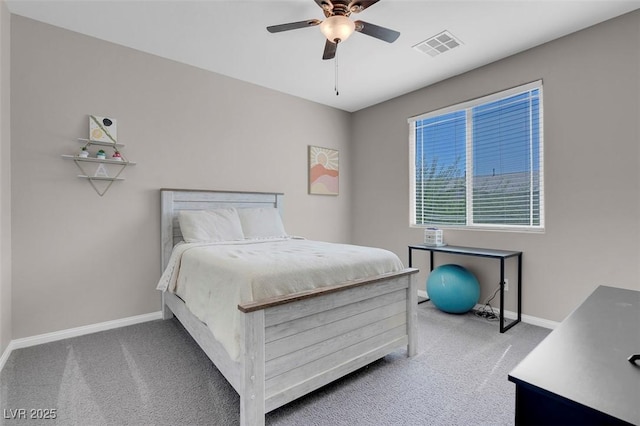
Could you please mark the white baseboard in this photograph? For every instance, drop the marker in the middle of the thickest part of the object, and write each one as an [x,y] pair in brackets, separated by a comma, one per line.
[5,355]
[75,332]
[529,319]
[540,322]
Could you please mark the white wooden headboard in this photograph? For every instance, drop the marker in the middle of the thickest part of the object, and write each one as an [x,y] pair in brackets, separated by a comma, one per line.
[174,200]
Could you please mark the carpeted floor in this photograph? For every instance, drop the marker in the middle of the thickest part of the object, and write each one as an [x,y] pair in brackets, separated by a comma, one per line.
[154,374]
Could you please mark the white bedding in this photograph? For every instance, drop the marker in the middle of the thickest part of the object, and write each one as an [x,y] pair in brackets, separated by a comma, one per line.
[213,278]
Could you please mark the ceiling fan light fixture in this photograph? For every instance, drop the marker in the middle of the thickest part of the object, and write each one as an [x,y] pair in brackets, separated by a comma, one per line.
[337,27]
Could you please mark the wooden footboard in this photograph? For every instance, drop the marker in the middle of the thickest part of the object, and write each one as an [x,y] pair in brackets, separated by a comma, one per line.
[293,345]
[314,341]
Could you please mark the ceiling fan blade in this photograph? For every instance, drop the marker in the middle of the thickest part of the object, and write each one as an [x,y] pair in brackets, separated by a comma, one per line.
[330,50]
[381,33]
[293,25]
[357,6]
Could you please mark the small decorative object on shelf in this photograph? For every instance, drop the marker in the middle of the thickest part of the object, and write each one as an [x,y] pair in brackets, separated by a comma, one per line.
[100,171]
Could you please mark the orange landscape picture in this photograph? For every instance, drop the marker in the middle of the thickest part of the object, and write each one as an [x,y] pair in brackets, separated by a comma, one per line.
[323,171]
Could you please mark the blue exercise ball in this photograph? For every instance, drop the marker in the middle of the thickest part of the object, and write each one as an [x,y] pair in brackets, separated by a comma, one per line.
[453,289]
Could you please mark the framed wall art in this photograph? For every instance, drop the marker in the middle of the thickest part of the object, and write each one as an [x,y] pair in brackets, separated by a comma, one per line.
[324,171]
[103,129]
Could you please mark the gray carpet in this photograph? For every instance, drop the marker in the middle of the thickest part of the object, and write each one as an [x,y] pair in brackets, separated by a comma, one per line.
[154,374]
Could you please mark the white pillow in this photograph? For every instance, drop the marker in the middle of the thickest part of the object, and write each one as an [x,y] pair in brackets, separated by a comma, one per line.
[261,222]
[210,225]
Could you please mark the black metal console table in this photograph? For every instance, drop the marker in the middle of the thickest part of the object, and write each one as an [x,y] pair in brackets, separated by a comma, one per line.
[481,252]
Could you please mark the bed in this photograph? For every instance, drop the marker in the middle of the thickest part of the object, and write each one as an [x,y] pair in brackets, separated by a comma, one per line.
[338,328]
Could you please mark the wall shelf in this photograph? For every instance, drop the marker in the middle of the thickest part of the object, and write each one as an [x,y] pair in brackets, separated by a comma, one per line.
[104,170]
[100,178]
[98,160]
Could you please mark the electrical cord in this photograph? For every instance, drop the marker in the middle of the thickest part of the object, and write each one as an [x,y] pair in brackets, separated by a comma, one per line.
[487,311]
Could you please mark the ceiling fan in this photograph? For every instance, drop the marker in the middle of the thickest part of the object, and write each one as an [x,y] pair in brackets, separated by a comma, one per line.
[338,27]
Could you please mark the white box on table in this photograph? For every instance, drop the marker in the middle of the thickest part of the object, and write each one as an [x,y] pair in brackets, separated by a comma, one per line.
[433,237]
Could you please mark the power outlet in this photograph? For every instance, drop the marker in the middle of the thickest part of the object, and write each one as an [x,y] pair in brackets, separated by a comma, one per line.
[506,284]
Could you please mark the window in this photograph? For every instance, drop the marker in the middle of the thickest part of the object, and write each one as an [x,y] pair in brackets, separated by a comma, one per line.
[480,164]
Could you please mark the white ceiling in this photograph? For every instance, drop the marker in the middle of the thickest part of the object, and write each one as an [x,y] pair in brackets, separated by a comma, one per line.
[229,37]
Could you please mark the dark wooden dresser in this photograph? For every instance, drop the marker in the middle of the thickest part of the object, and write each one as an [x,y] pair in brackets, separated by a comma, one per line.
[580,374]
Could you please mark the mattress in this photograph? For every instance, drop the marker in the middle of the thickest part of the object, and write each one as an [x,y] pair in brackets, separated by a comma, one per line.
[213,278]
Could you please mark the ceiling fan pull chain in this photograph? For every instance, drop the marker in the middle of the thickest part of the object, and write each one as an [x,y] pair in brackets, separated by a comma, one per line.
[336,70]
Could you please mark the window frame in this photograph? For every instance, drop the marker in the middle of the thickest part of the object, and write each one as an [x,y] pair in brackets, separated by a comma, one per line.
[467,107]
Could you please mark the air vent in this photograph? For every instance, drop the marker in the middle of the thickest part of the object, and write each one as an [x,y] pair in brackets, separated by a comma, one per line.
[438,44]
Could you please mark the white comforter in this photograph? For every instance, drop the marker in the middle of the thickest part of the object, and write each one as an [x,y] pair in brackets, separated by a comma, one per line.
[213,278]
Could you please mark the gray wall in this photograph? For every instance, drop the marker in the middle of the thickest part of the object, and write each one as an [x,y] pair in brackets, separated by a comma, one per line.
[5,179]
[81,259]
[592,162]
[76,255]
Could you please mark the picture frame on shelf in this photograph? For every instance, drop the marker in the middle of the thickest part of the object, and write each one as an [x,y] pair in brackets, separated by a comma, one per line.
[103,129]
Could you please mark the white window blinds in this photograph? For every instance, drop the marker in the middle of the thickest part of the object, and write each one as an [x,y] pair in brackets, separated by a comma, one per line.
[479,164]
